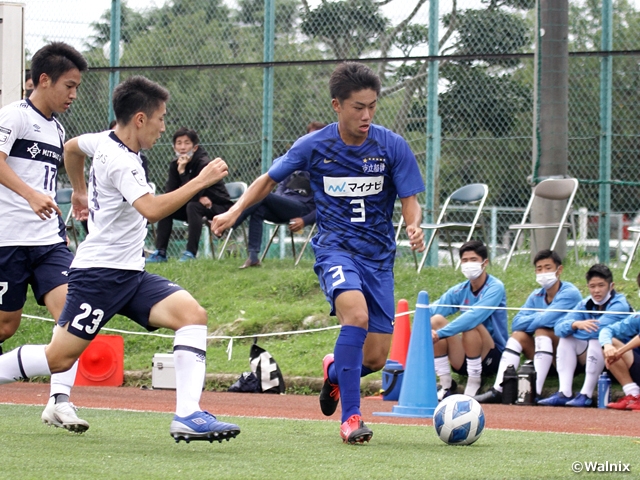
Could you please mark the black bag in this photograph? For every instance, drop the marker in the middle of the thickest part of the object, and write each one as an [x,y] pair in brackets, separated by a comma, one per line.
[247,382]
[266,370]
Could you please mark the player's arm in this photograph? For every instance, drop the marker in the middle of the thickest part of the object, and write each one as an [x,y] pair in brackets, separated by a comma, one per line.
[43,205]
[260,188]
[74,165]
[155,208]
[522,320]
[412,214]
[548,318]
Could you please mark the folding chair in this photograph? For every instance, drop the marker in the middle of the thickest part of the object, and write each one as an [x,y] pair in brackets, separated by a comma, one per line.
[398,232]
[276,229]
[235,190]
[63,199]
[549,189]
[474,193]
[632,252]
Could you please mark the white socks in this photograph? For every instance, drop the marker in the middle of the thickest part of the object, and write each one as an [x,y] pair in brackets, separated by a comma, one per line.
[23,362]
[510,356]
[631,389]
[443,371]
[593,367]
[474,370]
[542,360]
[189,357]
[566,360]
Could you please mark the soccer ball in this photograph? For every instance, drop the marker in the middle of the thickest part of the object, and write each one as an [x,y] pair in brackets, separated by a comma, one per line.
[458,420]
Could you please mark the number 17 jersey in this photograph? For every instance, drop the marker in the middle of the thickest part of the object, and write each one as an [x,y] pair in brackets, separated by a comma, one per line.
[33,144]
[355,188]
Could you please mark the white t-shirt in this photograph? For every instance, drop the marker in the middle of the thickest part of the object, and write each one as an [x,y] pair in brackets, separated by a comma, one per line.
[116,229]
[33,144]
[89,142]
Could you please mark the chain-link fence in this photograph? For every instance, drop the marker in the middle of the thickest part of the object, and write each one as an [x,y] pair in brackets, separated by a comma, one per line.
[209,53]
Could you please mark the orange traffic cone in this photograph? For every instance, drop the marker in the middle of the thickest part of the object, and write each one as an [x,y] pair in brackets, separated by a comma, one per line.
[401,334]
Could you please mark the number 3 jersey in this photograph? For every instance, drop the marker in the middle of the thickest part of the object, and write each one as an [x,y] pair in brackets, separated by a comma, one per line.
[33,144]
[116,229]
[355,188]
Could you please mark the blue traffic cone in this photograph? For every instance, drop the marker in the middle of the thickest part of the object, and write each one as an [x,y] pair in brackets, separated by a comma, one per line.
[418,397]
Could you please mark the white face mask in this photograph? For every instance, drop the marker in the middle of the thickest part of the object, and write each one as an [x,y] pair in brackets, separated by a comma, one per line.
[604,300]
[189,154]
[546,280]
[472,270]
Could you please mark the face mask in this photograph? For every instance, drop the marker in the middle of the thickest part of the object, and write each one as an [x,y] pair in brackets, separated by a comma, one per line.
[189,154]
[471,270]
[604,300]
[546,280]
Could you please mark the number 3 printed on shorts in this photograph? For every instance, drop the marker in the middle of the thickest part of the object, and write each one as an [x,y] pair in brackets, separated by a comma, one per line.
[95,323]
[338,274]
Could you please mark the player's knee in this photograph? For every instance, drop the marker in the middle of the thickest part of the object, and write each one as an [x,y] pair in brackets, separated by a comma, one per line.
[8,328]
[194,315]
[376,364]
[438,321]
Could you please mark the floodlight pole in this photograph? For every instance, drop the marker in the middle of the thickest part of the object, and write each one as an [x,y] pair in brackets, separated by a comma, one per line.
[604,222]
[114,60]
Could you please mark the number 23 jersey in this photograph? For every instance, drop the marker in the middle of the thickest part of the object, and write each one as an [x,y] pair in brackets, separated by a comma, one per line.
[355,188]
[33,144]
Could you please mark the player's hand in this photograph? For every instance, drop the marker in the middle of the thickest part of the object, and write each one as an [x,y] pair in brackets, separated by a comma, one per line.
[611,354]
[296,224]
[434,336]
[222,222]
[416,238]
[79,206]
[43,205]
[215,171]
[206,202]
[590,325]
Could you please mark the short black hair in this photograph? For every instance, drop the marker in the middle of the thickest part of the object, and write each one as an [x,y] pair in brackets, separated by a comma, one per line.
[192,134]
[137,94]
[56,59]
[599,270]
[352,77]
[546,253]
[474,246]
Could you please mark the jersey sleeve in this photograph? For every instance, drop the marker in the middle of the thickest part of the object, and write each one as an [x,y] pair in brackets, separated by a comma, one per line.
[622,330]
[128,177]
[406,173]
[296,158]
[565,299]
[563,327]
[89,142]
[11,124]
[522,320]
[448,298]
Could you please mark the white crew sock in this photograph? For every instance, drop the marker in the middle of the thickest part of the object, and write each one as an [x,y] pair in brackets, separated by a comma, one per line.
[631,389]
[542,360]
[593,368]
[566,360]
[189,358]
[443,371]
[510,356]
[23,362]
[474,370]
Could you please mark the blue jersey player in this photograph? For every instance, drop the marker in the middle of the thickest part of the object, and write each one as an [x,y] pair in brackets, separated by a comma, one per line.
[532,327]
[357,170]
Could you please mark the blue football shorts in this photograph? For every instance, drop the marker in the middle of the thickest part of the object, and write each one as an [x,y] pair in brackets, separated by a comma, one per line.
[97,294]
[340,272]
[43,267]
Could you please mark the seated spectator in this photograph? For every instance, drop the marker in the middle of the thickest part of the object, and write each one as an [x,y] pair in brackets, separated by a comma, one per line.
[291,202]
[621,347]
[473,342]
[190,159]
[532,330]
[578,334]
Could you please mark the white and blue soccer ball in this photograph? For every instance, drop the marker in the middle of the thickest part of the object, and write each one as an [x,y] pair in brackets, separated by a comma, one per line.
[459,420]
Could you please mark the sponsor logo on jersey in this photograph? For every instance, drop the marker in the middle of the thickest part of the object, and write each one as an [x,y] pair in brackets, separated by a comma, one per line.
[36,128]
[4,135]
[374,165]
[353,186]
[34,150]
[139,176]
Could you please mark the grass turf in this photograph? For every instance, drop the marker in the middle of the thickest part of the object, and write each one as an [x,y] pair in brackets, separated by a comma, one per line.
[124,444]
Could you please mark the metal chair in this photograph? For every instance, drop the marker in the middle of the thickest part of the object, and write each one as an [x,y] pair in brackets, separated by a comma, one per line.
[632,252]
[474,193]
[549,189]
[235,190]
[276,229]
[63,199]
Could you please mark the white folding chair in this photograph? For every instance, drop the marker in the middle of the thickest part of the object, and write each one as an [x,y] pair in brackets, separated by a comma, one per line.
[235,189]
[474,193]
[549,189]
[276,229]
[63,199]
[632,253]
